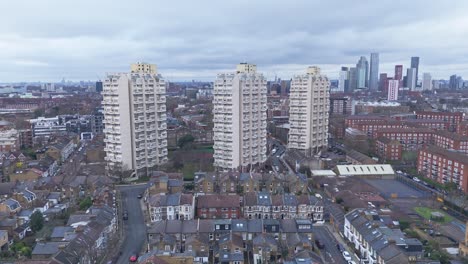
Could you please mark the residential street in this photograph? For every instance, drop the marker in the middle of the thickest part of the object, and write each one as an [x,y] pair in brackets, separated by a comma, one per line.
[330,253]
[134,228]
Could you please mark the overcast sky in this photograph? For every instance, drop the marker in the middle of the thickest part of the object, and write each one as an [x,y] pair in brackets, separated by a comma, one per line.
[195,39]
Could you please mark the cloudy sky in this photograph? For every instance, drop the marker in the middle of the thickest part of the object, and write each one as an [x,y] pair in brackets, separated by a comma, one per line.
[82,40]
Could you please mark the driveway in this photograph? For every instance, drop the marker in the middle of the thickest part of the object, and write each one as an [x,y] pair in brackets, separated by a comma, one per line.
[134,228]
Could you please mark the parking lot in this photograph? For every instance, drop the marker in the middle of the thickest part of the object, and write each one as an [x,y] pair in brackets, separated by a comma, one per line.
[394,189]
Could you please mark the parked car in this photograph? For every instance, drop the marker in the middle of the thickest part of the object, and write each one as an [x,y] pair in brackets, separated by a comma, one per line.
[340,247]
[416,179]
[133,257]
[347,256]
[140,196]
[125,215]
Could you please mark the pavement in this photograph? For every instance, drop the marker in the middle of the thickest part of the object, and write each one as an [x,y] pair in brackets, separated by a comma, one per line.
[330,253]
[134,228]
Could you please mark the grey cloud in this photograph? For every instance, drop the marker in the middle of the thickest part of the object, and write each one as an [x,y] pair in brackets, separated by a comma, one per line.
[48,40]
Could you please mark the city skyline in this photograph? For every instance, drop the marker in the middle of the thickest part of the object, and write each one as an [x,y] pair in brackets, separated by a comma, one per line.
[34,48]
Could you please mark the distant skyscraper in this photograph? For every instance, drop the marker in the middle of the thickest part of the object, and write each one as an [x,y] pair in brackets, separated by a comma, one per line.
[353,79]
[362,68]
[239,117]
[309,105]
[398,72]
[374,72]
[393,90]
[98,86]
[435,84]
[343,81]
[135,119]
[427,81]
[415,65]
[459,82]
[453,83]
[411,79]
[285,84]
[383,82]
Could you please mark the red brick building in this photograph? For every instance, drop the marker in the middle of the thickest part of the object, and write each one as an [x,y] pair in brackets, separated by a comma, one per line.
[449,140]
[352,121]
[336,128]
[372,127]
[410,138]
[388,149]
[453,118]
[444,166]
[462,128]
[429,123]
[218,206]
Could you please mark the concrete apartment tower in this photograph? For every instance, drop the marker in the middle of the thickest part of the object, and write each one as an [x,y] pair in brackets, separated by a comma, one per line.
[392,94]
[135,119]
[309,106]
[239,117]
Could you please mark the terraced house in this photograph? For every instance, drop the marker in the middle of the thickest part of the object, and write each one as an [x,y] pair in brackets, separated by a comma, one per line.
[171,207]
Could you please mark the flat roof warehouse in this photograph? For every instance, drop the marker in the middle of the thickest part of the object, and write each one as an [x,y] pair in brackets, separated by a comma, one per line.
[362,170]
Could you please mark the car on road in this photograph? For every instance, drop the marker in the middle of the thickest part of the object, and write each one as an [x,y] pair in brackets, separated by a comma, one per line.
[273,151]
[125,215]
[140,196]
[133,257]
[351,262]
[347,256]
[319,244]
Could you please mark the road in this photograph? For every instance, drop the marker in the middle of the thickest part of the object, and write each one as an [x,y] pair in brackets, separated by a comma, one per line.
[330,253]
[275,158]
[134,228]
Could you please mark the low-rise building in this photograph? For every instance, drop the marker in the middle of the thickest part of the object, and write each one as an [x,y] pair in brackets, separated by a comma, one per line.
[388,149]
[450,140]
[454,118]
[263,205]
[10,206]
[444,166]
[377,243]
[218,206]
[9,140]
[229,239]
[171,206]
[411,139]
[357,158]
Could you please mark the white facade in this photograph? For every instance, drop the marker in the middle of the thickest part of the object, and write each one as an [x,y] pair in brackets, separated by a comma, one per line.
[135,119]
[427,81]
[308,111]
[240,105]
[342,80]
[411,79]
[46,127]
[393,90]
[9,140]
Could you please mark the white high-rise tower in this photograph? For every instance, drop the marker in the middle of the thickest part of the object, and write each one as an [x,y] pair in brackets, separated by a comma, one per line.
[309,106]
[239,109]
[135,119]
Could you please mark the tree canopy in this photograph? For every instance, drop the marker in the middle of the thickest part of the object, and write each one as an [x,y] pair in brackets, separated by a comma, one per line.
[37,221]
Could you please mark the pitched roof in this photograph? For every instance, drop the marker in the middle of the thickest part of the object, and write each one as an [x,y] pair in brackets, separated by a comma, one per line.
[218,201]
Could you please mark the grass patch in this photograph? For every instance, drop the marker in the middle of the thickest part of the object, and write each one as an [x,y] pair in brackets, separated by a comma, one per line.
[425,212]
